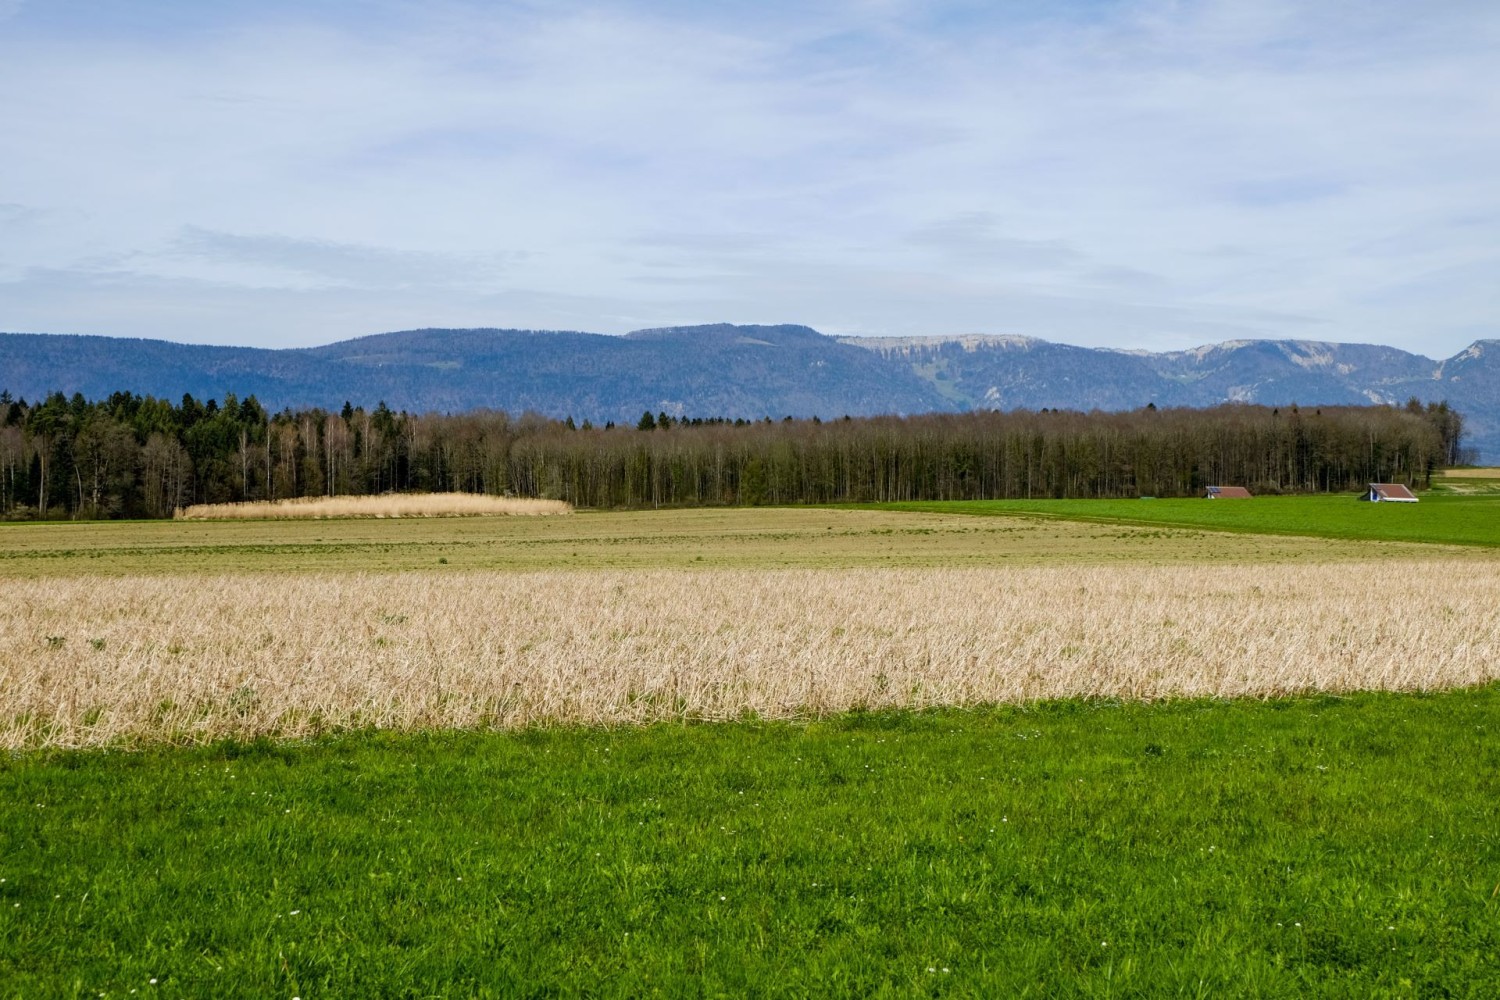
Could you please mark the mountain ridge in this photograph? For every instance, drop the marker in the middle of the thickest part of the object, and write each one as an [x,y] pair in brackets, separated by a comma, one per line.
[755,371]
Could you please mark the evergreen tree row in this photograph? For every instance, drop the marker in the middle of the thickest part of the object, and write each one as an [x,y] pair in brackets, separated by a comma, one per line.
[132,456]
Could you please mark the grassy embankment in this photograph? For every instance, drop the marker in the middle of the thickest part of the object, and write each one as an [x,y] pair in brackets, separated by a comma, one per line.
[1298,847]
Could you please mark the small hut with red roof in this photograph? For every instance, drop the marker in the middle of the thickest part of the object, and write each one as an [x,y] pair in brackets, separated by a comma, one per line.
[1390,493]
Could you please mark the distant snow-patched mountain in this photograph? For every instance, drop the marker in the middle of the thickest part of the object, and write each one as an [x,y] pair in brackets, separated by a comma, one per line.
[1015,372]
[755,371]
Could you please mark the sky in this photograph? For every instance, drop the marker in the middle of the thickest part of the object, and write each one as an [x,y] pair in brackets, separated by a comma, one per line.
[1147,174]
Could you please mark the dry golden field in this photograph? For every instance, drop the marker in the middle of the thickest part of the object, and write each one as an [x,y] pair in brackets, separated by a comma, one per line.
[1491,472]
[388,505]
[89,661]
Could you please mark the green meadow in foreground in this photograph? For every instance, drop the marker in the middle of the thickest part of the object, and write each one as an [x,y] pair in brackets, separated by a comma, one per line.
[1442,518]
[1309,847]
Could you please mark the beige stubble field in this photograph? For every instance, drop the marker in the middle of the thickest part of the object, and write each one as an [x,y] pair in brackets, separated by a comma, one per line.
[784,614]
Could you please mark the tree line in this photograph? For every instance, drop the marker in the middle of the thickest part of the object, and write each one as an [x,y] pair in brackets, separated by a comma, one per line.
[132,456]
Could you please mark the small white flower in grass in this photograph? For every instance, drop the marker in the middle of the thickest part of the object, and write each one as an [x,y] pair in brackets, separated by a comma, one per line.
[295,912]
[153,982]
[723,897]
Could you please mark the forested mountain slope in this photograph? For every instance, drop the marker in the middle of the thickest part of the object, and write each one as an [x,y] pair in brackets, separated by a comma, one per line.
[753,372]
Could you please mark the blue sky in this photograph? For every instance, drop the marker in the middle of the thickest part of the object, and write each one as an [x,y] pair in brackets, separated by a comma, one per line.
[1156,174]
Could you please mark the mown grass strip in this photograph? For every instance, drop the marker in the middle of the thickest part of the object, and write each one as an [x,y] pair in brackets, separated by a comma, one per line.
[1307,847]
[1441,519]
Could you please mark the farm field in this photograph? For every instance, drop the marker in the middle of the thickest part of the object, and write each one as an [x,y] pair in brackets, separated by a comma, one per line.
[725,538]
[94,662]
[1448,518]
[1323,846]
[1468,481]
[193,632]
[730,752]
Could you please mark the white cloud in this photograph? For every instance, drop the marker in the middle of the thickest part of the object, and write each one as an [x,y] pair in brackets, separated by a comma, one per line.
[1142,174]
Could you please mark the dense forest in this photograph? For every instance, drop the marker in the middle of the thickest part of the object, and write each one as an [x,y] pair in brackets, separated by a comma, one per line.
[133,456]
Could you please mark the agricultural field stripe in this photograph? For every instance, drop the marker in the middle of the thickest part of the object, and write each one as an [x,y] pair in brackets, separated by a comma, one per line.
[97,661]
[1470,520]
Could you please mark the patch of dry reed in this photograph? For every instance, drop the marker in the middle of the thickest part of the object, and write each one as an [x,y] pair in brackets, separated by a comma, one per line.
[193,658]
[385,505]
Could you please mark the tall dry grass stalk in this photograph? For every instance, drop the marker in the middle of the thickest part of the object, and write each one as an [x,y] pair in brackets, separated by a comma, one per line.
[90,661]
[386,505]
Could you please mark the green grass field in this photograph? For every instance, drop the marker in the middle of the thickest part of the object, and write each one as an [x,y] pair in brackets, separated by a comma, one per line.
[1327,847]
[1314,847]
[1450,519]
